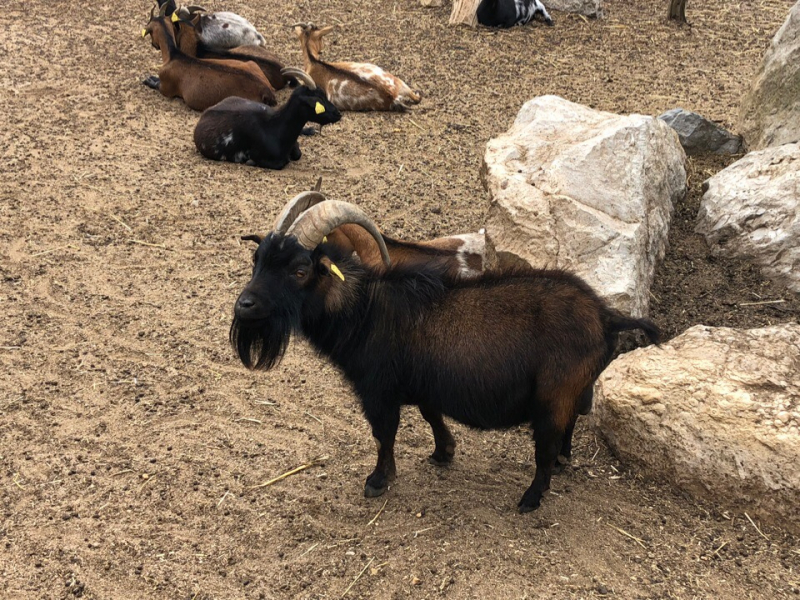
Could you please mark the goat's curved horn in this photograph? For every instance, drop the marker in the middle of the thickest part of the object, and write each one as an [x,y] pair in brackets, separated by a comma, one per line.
[301,75]
[194,8]
[163,10]
[319,220]
[153,11]
[295,207]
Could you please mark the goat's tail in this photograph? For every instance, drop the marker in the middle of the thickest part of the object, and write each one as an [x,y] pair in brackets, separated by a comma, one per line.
[619,322]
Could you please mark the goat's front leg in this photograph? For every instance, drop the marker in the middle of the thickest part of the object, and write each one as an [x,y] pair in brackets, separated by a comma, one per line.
[294,153]
[384,419]
[153,82]
[445,444]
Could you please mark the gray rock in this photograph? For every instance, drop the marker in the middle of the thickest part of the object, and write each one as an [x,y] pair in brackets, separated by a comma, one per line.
[716,413]
[698,135]
[751,211]
[770,112]
[585,190]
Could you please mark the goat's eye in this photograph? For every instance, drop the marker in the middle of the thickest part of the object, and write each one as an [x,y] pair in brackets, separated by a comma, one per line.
[300,273]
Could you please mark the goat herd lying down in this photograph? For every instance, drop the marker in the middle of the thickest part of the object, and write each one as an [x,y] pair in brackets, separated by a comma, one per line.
[408,323]
[217,63]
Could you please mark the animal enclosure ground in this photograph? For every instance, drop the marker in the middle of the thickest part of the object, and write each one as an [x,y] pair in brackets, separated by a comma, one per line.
[132,441]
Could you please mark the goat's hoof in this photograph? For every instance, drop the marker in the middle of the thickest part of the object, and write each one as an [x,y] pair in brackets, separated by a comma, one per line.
[561,464]
[152,82]
[373,492]
[531,500]
[440,458]
[549,22]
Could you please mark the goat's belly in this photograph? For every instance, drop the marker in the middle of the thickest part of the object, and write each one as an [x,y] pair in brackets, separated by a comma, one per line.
[480,406]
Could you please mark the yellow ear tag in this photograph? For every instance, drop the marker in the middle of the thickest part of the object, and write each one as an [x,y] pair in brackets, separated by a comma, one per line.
[144,32]
[335,270]
[319,109]
[175,17]
[324,239]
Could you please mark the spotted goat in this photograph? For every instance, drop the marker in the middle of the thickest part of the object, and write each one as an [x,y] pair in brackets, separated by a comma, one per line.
[507,13]
[351,85]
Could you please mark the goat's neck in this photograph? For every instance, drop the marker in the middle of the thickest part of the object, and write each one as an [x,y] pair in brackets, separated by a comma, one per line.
[187,41]
[310,54]
[165,38]
[291,119]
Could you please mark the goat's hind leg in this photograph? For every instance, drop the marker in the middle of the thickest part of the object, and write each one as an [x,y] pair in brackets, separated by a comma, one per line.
[384,420]
[445,443]
[548,440]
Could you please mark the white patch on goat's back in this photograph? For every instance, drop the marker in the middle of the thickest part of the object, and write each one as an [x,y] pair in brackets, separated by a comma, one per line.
[227,138]
[240,157]
[474,243]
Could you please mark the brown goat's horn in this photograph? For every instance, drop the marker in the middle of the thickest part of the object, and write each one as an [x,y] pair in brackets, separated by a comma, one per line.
[295,207]
[319,220]
[301,75]
[153,11]
[163,11]
[194,8]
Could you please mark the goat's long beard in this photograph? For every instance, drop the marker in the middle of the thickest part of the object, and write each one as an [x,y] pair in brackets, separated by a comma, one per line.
[260,344]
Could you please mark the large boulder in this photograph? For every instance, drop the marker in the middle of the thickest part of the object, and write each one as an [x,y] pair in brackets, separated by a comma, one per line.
[590,8]
[770,112]
[698,135]
[716,412]
[589,191]
[751,210]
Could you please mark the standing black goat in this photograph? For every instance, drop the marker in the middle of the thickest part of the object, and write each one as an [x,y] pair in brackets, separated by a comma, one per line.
[507,13]
[492,352]
[242,131]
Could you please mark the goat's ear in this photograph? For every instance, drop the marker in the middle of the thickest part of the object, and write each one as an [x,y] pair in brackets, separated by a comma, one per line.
[326,30]
[252,238]
[328,267]
[314,103]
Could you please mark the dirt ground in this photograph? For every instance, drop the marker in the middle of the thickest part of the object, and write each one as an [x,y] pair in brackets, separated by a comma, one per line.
[132,441]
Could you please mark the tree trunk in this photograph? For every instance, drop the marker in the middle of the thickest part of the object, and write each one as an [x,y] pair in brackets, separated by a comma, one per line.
[677,10]
[464,12]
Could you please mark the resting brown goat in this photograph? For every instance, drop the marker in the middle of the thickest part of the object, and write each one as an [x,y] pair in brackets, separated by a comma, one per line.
[201,83]
[187,35]
[349,85]
[500,350]
[461,255]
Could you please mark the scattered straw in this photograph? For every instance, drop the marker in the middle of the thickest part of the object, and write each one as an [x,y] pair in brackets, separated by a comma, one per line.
[120,221]
[781,301]
[716,552]
[761,533]
[315,418]
[15,479]
[626,534]
[357,577]
[122,472]
[248,419]
[148,480]
[375,518]
[314,463]
[417,125]
[221,500]
[141,243]
[309,550]
[51,250]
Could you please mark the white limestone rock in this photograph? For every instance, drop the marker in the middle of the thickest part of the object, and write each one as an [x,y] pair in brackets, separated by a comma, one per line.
[715,412]
[589,191]
[751,210]
[770,111]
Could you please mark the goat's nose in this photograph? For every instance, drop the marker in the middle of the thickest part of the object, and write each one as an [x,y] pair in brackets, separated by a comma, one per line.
[244,305]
